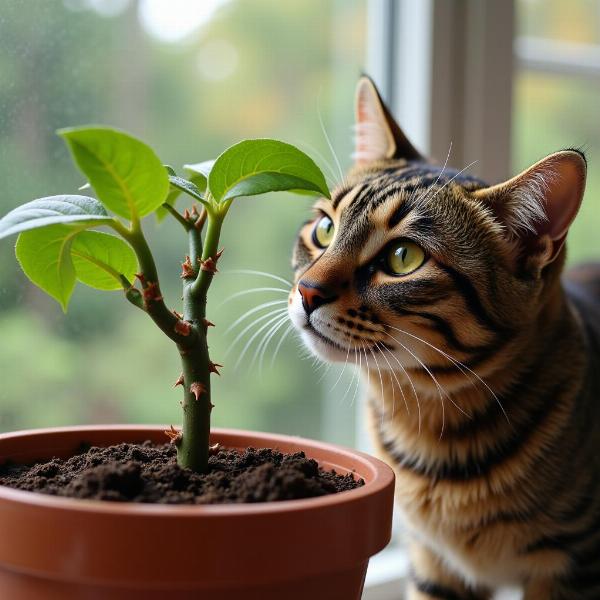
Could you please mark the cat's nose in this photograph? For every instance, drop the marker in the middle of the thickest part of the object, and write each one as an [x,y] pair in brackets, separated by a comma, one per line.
[314,295]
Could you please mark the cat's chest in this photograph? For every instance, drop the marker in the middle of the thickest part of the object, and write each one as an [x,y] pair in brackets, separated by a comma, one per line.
[441,519]
[450,518]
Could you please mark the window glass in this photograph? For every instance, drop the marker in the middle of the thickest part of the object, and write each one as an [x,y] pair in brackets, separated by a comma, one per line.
[190,78]
[556,111]
[574,21]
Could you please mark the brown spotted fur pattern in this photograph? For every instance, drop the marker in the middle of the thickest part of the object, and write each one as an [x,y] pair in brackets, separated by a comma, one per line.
[483,377]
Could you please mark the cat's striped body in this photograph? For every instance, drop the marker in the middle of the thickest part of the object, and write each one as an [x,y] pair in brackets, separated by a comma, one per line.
[483,373]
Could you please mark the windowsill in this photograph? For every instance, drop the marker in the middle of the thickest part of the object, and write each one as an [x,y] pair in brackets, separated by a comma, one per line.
[386,575]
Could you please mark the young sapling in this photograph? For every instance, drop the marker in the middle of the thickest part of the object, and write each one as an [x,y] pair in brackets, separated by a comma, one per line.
[58,245]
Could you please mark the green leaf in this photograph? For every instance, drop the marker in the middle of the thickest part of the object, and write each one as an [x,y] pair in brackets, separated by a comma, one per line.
[45,257]
[200,172]
[178,185]
[128,177]
[54,210]
[100,259]
[186,186]
[257,166]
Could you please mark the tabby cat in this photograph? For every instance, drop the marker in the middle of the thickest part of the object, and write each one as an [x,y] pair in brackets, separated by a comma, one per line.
[482,366]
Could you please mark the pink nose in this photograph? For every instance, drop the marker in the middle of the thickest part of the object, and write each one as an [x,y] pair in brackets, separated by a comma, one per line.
[314,295]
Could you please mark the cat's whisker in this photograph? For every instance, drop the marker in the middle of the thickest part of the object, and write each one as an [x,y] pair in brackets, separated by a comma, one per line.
[264,343]
[330,171]
[452,179]
[354,374]
[277,312]
[440,388]
[393,372]
[253,311]
[267,340]
[259,273]
[426,194]
[382,390]
[254,336]
[412,385]
[393,395]
[341,372]
[252,291]
[442,392]
[327,139]
[284,335]
[357,378]
[324,373]
[458,364]
[430,188]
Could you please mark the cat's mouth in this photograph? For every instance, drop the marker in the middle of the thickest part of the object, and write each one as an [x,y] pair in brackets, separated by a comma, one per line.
[326,339]
[360,345]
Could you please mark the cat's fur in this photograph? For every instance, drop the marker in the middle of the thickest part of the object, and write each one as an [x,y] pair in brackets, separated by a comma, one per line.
[499,487]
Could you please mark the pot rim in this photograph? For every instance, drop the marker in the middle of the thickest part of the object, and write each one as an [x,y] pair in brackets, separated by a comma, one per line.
[376,474]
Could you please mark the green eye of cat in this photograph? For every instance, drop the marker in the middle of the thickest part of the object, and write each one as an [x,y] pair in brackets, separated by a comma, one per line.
[404,258]
[323,232]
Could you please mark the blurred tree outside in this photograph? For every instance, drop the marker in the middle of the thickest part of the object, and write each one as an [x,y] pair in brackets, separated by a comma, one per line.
[255,68]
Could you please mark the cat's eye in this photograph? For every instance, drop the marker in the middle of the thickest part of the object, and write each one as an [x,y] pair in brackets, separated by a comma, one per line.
[404,257]
[323,232]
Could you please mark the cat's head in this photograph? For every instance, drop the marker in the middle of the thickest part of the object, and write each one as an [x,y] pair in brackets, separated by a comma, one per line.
[408,255]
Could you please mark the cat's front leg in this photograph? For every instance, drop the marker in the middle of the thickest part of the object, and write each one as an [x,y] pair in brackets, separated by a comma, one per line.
[430,579]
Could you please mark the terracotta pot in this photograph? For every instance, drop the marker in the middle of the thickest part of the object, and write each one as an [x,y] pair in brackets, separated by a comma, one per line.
[65,549]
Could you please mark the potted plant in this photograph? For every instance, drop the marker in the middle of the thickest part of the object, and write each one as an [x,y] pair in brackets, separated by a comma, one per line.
[56,546]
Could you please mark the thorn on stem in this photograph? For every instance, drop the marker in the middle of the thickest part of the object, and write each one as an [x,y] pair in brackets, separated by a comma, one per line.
[207,323]
[177,314]
[200,220]
[197,389]
[141,278]
[186,214]
[187,269]
[195,212]
[183,327]
[179,381]
[152,292]
[173,435]
[214,367]
[214,449]
[210,265]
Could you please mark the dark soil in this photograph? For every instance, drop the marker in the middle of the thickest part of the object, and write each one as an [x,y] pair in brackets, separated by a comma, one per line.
[149,473]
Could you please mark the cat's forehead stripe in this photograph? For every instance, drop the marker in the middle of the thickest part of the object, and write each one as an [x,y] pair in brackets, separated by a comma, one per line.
[339,195]
[418,181]
[350,197]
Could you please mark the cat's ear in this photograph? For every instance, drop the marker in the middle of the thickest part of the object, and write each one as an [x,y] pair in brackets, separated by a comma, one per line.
[538,206]
[377,135]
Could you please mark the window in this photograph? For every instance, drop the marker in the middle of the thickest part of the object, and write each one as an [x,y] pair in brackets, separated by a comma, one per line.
[557,86]
[190,78]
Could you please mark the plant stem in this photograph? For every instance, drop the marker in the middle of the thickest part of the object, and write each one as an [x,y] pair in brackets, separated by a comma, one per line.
[192,449]
[152,298]
[175,213]
[190,333]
